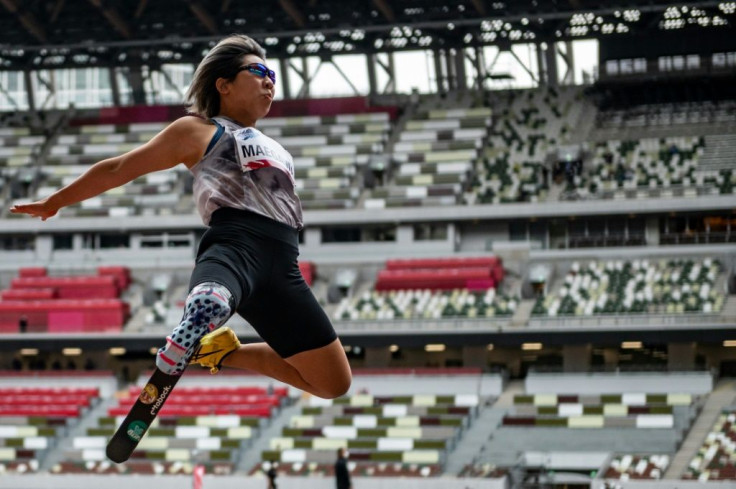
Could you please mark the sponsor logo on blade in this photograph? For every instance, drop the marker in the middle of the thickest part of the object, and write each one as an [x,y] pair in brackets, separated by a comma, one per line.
[149,394]
[160,401]
[136,430]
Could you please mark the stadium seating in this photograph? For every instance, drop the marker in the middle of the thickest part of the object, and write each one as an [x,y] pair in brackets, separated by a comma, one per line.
[715,459]
[79,146]
[240,401]
[157,467]
[416,304]
[636,287]
[186,432]
[381,469]
[433,158]
[328,151]
[32,419]
[18,146]
[530,125]
[667,115]
[406,430]
[633,410]
[604,423]
[628,466]
[432,288]
[65,303]
[640,166]
[482,470]
[21,144]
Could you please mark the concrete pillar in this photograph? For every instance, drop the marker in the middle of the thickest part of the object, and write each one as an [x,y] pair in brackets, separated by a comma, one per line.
[404,234]
[30,92]
[284,75]
[475,356]
[576,358]
[550,59]
[652,231]
[453,236]
[610,357]
[377,357]
[570,59]
[480,68]
[114,85]
[135,79]
[439,71]
[541,64]
[312,237]
[680,356]
[510,357]
[78,242]
[371,62]
[44,248]
[459,68]
[716,354]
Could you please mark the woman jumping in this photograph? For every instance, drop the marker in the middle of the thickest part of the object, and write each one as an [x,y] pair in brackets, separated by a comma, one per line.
[247,260]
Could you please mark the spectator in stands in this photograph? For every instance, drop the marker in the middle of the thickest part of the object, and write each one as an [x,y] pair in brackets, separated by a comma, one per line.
[620,173]
[23,324]
[247,260]
[271,473]
[608,157]
[89,364]
[342,474]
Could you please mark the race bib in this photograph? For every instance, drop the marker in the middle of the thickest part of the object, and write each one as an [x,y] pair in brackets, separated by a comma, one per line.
[256,151]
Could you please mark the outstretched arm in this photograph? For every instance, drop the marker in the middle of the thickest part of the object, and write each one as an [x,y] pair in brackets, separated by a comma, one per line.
[183,141]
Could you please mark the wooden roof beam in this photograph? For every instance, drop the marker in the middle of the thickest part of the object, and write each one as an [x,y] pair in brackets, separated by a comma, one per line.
[142,4]
[58,6]
[27,19]
[294,12]
[113,17]
[480,7]
[204,17]
[385,10]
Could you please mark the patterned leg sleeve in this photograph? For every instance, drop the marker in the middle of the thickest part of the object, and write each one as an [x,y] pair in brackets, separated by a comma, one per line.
[207,308]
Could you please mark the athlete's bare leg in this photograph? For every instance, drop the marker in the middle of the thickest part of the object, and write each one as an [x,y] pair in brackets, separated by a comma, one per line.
[324,372]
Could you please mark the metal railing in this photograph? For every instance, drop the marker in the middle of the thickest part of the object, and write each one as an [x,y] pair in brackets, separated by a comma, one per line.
[454,325]
[500,325]
[630,320]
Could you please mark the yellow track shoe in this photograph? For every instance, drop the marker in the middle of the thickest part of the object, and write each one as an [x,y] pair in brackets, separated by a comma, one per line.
[214,347]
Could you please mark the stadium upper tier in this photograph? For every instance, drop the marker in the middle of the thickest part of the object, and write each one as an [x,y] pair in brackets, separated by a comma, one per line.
[475,290]
[638,287]
[518,146]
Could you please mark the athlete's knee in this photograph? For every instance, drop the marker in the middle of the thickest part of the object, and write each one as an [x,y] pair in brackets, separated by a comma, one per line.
[208,306]
[337,386]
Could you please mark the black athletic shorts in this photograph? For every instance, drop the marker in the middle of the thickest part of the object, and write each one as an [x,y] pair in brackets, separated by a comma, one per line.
[255,257]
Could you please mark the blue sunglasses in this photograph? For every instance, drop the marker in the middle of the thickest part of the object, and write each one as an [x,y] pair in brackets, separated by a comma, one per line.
[260,70]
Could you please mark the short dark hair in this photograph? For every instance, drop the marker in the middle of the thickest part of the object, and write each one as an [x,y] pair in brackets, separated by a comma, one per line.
[222,61]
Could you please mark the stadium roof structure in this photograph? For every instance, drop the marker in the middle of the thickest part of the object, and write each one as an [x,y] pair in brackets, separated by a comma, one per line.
[48,34]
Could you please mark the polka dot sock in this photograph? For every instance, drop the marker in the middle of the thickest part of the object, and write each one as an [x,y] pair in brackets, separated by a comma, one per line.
[207,308]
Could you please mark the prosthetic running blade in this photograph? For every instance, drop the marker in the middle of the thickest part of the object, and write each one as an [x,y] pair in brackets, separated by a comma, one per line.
[141,416]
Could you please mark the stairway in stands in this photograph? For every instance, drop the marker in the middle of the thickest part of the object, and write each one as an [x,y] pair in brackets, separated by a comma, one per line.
[722,396]
[252,455]
[480,431]
[720,153]
[490,450]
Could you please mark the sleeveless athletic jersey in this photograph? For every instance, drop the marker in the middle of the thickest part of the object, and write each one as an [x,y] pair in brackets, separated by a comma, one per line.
[245,169]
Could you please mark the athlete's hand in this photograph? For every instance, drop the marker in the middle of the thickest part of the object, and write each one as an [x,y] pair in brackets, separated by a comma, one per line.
[39,208]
